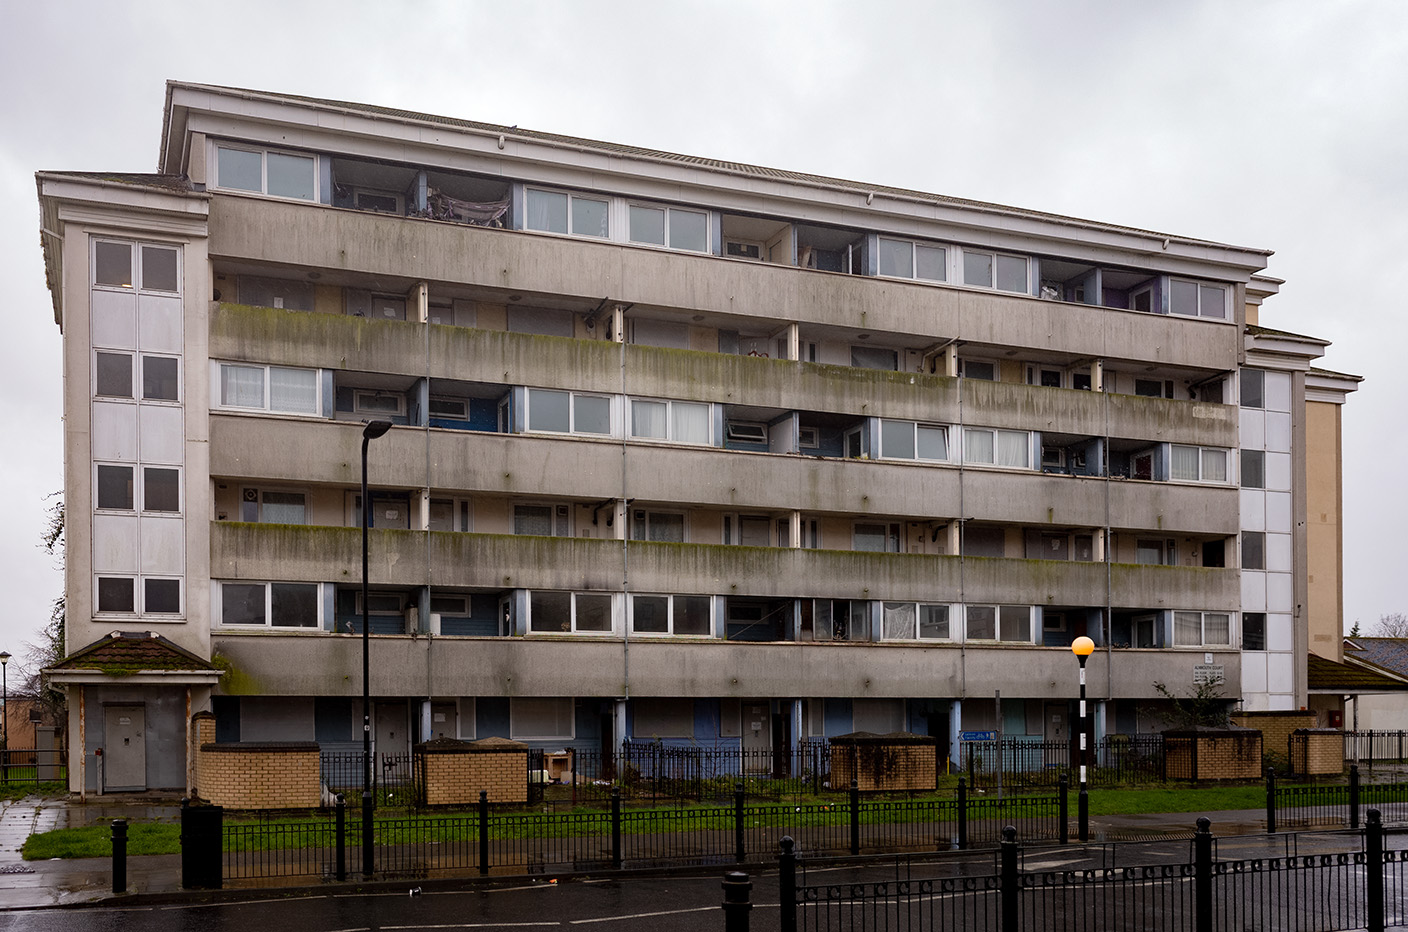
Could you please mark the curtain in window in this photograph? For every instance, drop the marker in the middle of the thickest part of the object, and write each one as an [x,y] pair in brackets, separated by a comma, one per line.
[897,620]
[541,718]
[1013,448]
[690,422]
[1184,463]
[284,508]
[977,446]
[547,211]
[1187,629]
[1217,629]
[896,258]
[242,386]
[293,390]
[1214,465]
[648,419]
[532,519]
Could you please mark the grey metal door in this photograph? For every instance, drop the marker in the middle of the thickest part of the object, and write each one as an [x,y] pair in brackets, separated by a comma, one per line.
[124,748]
[757,736]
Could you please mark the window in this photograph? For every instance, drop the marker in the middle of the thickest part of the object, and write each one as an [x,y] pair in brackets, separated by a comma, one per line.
[568,412]
[679,421]
[906,440]
[156,267]
[748,530]
[978,369]
[292,295]
[657,526]
[1011,623]
[877,538]
[1253,550]
[448,514]
[746,432]
[276,605]
[269,388]
[161,596]
[1197,464]
[685,615]
[117,594]
[1150,388]
[161,489]
[1253,469]
[541,719]
[1202,629]
[115,490]
[270,506]
[278,174]
[673,226]
[1010,448]
[453,409]
[904,259]
[112,376]
[808,438]
[570,612]
[1253,388]
[378,404]
[558,212]
[1253,631]
[1142,300]
[112,264]
[1150,553]
[908,621]
[840,620]
[160,381]
[1195,299]
[1011,272]
[543,520]
[875,357]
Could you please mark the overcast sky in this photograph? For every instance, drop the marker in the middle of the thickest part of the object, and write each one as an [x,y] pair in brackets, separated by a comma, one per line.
[1268,124]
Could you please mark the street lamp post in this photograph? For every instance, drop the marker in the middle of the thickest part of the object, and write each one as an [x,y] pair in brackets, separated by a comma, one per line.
[1082,647]
[373,430]
[5,721]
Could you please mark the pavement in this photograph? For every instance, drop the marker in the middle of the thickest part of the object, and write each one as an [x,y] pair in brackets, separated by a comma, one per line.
[88,881]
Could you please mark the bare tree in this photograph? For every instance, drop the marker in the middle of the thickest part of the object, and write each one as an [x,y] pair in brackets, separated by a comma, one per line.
[49,649]
[1392,626]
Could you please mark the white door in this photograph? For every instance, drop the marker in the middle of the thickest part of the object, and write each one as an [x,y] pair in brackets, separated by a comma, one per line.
[124,748]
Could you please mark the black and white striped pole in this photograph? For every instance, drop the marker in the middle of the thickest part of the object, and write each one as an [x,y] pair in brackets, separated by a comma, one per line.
[1083,647]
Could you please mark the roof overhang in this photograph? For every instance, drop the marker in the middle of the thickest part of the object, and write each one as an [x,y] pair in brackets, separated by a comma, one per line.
[138,678]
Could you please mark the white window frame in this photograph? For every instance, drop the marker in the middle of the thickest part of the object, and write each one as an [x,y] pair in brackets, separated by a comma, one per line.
[259,493]
[216,390]
[446,399]
[136,268]
[560,514]
[180,489]
[1201,310]
[669,209]
[217,608]
[139,382]
[964,361]
[647,515]
[612,409]
[994,254]
[918,626]
[139,597]
[1203,630]
[733,534]
[995,432]
[134,378]
[1227,476]
[914,246]
[572,196]
[915,427]
[358,394]
[894,534]
[264,152]
[463,598]
[808,438]
[615,598]
[997,623]
[746,431]
[669,614]
[463,519]
[669,421]
[136,489]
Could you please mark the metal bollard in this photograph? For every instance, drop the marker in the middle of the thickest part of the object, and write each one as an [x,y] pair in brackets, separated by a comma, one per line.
[736,904]
[787,884]
[119,855]
[341,837]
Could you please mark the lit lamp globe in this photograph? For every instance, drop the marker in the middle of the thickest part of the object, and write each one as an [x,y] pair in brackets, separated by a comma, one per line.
[1082,647]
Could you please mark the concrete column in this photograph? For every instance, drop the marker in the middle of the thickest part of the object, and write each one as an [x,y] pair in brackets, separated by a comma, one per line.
[794,341]
[955,728]
[955,538]
[418,302]
[796,735]
[423,510]
[427,723]
[618,721]
[795,529]
[1098,547]
[1097,375]
[618,323]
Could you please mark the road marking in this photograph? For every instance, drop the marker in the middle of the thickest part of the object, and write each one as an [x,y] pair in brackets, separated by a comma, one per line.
[668,912]
[481,925]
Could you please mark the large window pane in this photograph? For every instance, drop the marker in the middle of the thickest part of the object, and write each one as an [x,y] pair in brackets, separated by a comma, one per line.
[650,614]
[1217,629]
[293,390]
[550,611]
[113,375]
[692,615]
[931,263]
[242,386]
[1187,629]
[977,269]
[1214,465]
[159,269]
[874,357]
[591,414]
[647,225]
[689,229]
[897,620]
[547,211]
[116,594]
[593,612]
[161,489]
[690,422]
[1012,274]
[1184,463]
[115,487]
[1016,623]
[1253,631]
[933,621]
[754,531]
[239,169]
[1183,297]
[897,439]
[1253,469]
[161,596]
[113,264]
[933,443]
[977,446]
[284,508]
[1013,448]
[1213,301]
[896,258]
[648,419]
[589,217]
[1253,550]
[291,176]
[159,378]
[242,604]
[871,537]
[982,623]
[548,410]
[532,519]
[666,528]
[1253,388]
[295,605]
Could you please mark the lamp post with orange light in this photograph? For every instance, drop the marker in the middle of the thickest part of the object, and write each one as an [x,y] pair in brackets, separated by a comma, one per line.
[1083,647]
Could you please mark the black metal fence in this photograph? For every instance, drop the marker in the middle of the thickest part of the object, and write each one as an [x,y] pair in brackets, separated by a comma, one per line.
[1333,804]
[1115,760]
[621,837]
[395,777]
[1316,893]
[33,766]
[1371,748]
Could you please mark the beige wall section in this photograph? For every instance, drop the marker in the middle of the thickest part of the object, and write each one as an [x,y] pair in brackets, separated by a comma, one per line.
[1324,480]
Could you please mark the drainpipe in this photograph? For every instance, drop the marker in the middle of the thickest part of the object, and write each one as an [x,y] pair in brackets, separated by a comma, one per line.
[82,744]
[625,530]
